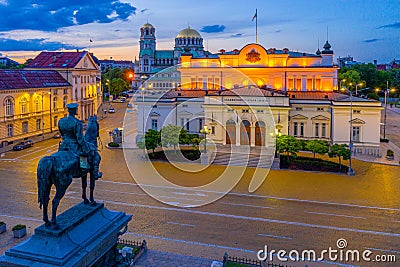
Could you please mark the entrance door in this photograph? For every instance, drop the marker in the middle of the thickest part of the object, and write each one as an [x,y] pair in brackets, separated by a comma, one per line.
[245,133]
[260,132]
[230,132]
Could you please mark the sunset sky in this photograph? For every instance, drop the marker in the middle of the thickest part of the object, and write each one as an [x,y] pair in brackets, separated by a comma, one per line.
[365,29]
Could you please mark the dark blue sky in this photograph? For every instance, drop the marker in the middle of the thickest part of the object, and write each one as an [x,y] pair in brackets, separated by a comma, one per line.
[365,29]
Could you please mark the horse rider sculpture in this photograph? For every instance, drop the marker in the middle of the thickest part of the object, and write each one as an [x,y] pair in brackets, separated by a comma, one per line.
[73,140]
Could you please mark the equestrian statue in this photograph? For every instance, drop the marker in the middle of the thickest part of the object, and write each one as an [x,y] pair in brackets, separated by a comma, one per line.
[76,157]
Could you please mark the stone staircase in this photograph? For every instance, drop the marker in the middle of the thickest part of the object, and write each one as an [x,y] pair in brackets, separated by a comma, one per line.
[244,156]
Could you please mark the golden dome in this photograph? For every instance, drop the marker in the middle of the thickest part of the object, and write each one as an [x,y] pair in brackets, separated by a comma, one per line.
[188,33]
[147,25]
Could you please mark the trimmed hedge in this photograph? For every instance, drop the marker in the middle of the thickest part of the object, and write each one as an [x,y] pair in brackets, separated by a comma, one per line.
[18,227]
[310,164]
[113,144]
[189,154]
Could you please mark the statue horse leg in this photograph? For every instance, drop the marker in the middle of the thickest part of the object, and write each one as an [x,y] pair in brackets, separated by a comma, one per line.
[84,186]
[60,192]
[92,185]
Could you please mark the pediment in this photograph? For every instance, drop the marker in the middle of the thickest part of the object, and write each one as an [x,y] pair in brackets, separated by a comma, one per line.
[154,114]
[320,118]
[357,121]
[298,117]
[185,113]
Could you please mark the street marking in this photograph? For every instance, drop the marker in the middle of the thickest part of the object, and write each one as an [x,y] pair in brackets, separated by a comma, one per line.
[259,196]
[20,217]
[188,194]
[276,236]
[182,224]
[384,250]
[35,151]
[247,205]
[331,214]
[241,217]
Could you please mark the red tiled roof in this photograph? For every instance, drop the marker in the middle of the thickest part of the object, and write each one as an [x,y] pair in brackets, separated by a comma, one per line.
[56,59]
[25,79]
[329,96]
[253,91]
[184,93]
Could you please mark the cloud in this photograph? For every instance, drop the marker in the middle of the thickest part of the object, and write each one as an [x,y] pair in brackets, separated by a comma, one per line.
[53,15]
[277,31]
[144,10]
[372,40]
[393,25]
[213,28]
[33,45]
[236,35]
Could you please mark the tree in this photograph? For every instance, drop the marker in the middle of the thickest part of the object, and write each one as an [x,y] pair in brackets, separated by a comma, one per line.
[317,146]
[340,151]
[152,139]
[170,135]
[288,144]
[373,96]
[117,85]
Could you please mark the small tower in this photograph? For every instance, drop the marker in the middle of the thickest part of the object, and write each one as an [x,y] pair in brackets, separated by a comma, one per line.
[147,48]
[327,55]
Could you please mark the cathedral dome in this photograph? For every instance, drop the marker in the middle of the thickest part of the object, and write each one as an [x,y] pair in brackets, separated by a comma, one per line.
[147,25]
[188,33]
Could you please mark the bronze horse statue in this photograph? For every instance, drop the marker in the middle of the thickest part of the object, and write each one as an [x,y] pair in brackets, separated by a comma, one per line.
[58,169]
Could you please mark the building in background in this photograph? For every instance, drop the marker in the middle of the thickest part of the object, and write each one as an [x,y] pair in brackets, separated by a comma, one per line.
[7,62]
[32,102]
[81,71]
[106,64]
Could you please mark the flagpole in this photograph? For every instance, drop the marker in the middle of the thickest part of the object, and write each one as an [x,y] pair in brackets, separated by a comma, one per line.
[256,27]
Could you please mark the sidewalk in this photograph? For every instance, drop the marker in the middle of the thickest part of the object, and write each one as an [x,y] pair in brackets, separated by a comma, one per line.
[154,258]
[383,159]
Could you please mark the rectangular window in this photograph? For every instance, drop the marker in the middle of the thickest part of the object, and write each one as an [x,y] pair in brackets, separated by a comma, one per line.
[38,125]
[260,111]
[245,111]
[187,125]
[200,124]
[290,84]
[316,130]
[302,129]
[317,84]
[299,108]
[212,129]
[154,125]
[320,109]
[356,133]
[182,122]
[295,124]
[299,86]
[217,84]
[10,130]
[309,85]
[356,111]
[25,127]
[323,130]
[55,121]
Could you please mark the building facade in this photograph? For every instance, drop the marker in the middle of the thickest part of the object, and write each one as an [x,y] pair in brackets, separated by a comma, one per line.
[32,103]
[81,71]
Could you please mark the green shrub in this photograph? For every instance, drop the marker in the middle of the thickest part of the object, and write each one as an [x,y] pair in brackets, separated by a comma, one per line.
[113,144]
[1,223]
[384,140]
[19,227]
[389,153]
[309,164]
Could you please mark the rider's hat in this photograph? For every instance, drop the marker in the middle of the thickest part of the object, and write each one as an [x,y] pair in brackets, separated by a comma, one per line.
[72,106]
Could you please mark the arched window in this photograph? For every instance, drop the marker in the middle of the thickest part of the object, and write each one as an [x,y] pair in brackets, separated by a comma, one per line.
[9,106]
[55,102]
[65,100]
[37,104]
[24,105]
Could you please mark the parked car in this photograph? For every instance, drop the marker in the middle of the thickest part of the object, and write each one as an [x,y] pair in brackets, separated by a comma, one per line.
[57,135]
[22,145]
[111,110]
[125,95]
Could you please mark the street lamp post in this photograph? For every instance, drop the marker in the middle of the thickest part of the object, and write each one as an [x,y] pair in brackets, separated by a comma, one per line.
[340,83]
[42,118]
[204,155]
[351,171]
[386,92]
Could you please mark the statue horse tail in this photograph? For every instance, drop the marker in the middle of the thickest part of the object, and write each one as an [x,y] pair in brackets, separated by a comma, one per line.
[44,179]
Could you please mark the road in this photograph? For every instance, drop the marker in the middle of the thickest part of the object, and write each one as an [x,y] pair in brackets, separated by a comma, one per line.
[291,210]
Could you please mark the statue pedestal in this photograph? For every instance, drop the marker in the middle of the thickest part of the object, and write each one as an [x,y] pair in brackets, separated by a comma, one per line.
[87,236]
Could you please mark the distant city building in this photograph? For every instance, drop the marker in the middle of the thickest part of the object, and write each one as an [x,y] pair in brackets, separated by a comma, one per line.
[7,62]
[347,62]
[81,71]
[32,103]
[394,64]
[106,64]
